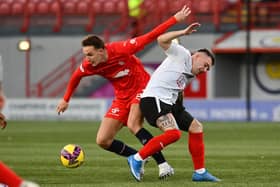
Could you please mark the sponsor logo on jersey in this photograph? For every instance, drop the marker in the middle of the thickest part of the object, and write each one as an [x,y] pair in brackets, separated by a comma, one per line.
[115,111]
[132,41]
[122,73]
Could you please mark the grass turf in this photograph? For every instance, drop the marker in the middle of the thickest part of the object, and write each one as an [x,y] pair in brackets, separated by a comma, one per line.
[241,154]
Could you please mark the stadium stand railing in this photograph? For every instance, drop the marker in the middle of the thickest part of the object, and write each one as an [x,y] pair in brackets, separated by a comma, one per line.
[156,10]
[63,13]
[113,14]
[204,11]
[77,13]
[42,12]
[53,84]
[11,13]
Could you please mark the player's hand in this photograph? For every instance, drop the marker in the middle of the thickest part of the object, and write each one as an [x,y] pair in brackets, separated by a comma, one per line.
[61,107]
[183,14]
[191,28]
[2,100]
[3,122]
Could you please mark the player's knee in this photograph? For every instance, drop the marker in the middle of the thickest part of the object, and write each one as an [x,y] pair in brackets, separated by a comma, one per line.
[134,127]
[196,127]
[103,143]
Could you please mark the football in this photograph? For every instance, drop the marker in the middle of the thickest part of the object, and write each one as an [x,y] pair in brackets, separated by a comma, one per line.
[72,156]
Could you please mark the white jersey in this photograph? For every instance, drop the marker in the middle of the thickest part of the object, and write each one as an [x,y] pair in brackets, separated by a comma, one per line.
[172,76]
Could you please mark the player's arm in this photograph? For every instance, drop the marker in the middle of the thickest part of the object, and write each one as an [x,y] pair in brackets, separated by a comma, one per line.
[72,85]
[165,39]
[136,44]
[3,122]
[177,18]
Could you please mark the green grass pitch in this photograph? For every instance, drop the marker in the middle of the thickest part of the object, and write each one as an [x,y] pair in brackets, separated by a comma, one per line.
[241,154]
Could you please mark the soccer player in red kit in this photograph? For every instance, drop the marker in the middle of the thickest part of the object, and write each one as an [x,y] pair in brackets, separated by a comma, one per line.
[116,62]
[8,176]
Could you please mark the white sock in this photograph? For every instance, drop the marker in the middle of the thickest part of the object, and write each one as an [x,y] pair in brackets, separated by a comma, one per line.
[162,164]
[200,171]
[138,157]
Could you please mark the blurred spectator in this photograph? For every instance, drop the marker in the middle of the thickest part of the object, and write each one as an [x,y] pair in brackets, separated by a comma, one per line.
[135,13]
[262,12]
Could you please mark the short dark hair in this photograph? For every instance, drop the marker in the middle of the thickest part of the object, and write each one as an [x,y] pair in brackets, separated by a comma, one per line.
[93,40]
[208,53]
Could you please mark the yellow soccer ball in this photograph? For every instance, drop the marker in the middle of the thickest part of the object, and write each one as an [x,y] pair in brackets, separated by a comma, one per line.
[72,156]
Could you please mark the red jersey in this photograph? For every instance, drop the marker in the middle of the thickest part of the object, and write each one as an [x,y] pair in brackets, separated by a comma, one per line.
[122,68]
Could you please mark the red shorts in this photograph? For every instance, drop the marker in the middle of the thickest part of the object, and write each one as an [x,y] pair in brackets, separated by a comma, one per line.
[119,109]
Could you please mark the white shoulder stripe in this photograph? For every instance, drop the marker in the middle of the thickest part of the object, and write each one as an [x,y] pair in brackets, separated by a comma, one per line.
[82,68]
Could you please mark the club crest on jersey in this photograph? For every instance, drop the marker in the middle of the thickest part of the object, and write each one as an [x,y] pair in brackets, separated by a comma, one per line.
[122,73]
[121,63]
[181,82]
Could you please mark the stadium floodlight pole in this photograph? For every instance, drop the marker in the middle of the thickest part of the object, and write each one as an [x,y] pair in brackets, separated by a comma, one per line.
[248,59]
[25,46]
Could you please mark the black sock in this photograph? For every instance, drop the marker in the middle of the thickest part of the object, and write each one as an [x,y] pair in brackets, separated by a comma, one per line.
[144,136]
[122,149]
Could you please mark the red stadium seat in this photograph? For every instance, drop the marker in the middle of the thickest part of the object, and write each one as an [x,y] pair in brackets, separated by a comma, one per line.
[69,7]
[97,6]
[42,12]
[30,8]
[43,8]
[203,6]
[5,9]
[11,13]
[113,15]
[75,12]
[55,7]
[82,7]
[17,8]
[12,7]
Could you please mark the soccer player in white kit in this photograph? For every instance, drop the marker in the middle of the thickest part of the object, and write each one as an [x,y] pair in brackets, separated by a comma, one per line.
[161,106]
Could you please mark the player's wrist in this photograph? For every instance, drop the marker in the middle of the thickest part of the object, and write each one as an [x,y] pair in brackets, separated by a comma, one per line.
[66,100]
[174,19]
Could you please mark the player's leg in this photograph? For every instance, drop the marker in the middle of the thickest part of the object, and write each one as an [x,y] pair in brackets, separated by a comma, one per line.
[8,176]
[196,149]
[186,122]
[135,124]
[11,179]
[170,134]
[157,114]
[113,121]
[106,137]
[196,145]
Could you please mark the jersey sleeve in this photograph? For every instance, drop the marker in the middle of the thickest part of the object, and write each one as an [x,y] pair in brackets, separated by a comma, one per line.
[177,50]
[73,83]
[173,49]
[134,45]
